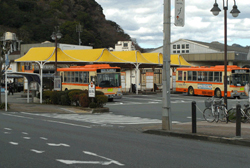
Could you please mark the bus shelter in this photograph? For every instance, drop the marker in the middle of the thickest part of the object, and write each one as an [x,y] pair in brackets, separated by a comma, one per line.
[123,59]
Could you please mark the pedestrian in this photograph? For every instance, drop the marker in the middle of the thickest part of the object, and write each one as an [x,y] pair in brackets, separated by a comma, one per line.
[246,90]
[11,89]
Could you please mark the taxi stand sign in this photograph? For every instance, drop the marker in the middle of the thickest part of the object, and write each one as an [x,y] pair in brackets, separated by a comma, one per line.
[179,13]
[91,89]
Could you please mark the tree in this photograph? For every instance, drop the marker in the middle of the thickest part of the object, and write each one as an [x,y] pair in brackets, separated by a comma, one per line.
[4,49]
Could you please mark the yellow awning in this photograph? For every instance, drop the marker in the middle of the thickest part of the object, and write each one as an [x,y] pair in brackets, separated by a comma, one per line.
[47,54]
[37,54]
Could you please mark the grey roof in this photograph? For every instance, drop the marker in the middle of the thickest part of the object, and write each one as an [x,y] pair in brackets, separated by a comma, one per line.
[220,47]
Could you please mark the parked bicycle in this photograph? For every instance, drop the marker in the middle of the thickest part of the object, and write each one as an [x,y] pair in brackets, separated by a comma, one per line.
[245,114]
[215,111]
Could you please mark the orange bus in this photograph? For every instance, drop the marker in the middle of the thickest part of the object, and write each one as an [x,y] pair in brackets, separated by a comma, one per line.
[107,79]
[209,81]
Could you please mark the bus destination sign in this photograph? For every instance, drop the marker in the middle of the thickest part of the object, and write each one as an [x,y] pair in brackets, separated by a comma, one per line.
[107,70]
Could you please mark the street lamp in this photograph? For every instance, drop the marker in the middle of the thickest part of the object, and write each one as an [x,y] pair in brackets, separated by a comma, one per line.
[56,36]
[235,12]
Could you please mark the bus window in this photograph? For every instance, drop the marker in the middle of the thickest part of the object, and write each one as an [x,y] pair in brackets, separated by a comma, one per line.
[189,75]
[216,76]
[76,77]
[199,76]
[204,76]
[86,77]
[180,75]
[185,76]
[210,76]
[80,77]
[194,75]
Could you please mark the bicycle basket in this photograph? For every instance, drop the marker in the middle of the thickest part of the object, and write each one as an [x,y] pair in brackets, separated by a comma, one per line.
[218,102]
[208,103]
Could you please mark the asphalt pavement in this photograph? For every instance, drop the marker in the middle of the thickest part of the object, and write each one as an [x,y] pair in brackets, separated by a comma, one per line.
[216,132]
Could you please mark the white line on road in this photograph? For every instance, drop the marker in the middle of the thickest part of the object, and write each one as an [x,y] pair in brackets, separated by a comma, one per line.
[59,122]
[17,116]
[26,137]
[60,144]
[43,138]
[13,143]
[9,129]
[36,151]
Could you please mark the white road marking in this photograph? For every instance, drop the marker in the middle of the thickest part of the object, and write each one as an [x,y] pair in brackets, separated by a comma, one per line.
[9,129]
[60,144]
[12,115]
[25,133]
[6,132]
[26,137]
[59,122]
[36,151]
[13,143]
[111,161]
[43,138]
[68,110]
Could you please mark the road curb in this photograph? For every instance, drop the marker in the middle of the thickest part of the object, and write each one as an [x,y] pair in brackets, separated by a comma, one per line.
[227,140]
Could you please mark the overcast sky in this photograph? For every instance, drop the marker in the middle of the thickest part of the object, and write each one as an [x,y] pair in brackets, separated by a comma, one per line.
[143,20]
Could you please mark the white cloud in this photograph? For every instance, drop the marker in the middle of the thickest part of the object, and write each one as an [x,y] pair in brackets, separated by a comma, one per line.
[143,20]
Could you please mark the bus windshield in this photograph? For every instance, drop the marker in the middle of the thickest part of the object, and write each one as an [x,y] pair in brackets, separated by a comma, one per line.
[239,79]
[108,80]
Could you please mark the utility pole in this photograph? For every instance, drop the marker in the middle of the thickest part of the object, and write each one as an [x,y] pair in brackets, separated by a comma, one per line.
[79,30]
[166,108]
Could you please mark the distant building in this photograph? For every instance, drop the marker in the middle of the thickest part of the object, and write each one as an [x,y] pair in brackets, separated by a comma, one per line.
[124,46]
[202,53]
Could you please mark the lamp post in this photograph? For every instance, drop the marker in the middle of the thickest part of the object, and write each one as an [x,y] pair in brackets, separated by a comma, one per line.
[56,36]
[235,12]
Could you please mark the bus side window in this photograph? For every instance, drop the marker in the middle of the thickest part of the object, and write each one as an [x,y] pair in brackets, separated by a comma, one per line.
[179,75]
[194,75]
[185,76]
[210,76]
[189,75]
[199,76]
[216,76]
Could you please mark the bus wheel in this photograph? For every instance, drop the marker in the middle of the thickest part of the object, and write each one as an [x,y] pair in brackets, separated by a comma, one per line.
[217,93]
[191,91]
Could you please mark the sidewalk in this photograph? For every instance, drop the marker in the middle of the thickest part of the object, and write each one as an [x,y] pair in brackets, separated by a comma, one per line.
[216,132]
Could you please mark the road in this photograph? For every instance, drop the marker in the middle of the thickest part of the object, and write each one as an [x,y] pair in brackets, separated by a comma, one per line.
[42,141]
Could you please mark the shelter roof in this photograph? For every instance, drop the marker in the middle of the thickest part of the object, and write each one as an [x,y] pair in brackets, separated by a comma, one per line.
[47,54]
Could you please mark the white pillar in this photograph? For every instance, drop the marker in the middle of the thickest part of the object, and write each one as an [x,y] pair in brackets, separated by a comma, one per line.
[6,90]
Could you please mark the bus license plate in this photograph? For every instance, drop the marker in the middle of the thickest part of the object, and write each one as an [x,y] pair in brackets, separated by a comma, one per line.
[110,90]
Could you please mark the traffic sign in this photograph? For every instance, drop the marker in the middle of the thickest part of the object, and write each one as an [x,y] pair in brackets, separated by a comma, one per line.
[179,12]
[91,89]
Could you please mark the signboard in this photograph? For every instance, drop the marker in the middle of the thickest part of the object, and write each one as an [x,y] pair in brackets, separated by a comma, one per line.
[123,80]
[57,83]
[33,86]
[179,13]
[91,89]
[150,80]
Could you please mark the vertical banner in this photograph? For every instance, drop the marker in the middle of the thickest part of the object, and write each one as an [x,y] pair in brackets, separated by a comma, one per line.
[57,83]
[149,80]
[123,81]
[179,13]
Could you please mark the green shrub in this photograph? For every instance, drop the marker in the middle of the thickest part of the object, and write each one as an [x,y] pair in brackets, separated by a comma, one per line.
[65,99]
[47,94]
[54,97]
[74,95]
[2,106]
[101,100]
[84,100]
[92,105]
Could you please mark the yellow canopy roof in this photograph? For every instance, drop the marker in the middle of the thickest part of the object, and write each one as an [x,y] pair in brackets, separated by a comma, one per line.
[47,54]
[132,57]
[94,55]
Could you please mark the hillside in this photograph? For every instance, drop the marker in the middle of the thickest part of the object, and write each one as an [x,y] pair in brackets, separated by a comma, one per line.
[34,20]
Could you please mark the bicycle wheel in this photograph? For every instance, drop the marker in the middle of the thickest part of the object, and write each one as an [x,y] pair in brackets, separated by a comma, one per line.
[208,115]
[232,114]
[247,114]
[223,114]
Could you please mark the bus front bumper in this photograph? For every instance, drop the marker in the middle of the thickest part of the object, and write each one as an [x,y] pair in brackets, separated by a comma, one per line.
[115,96]
[238,94]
